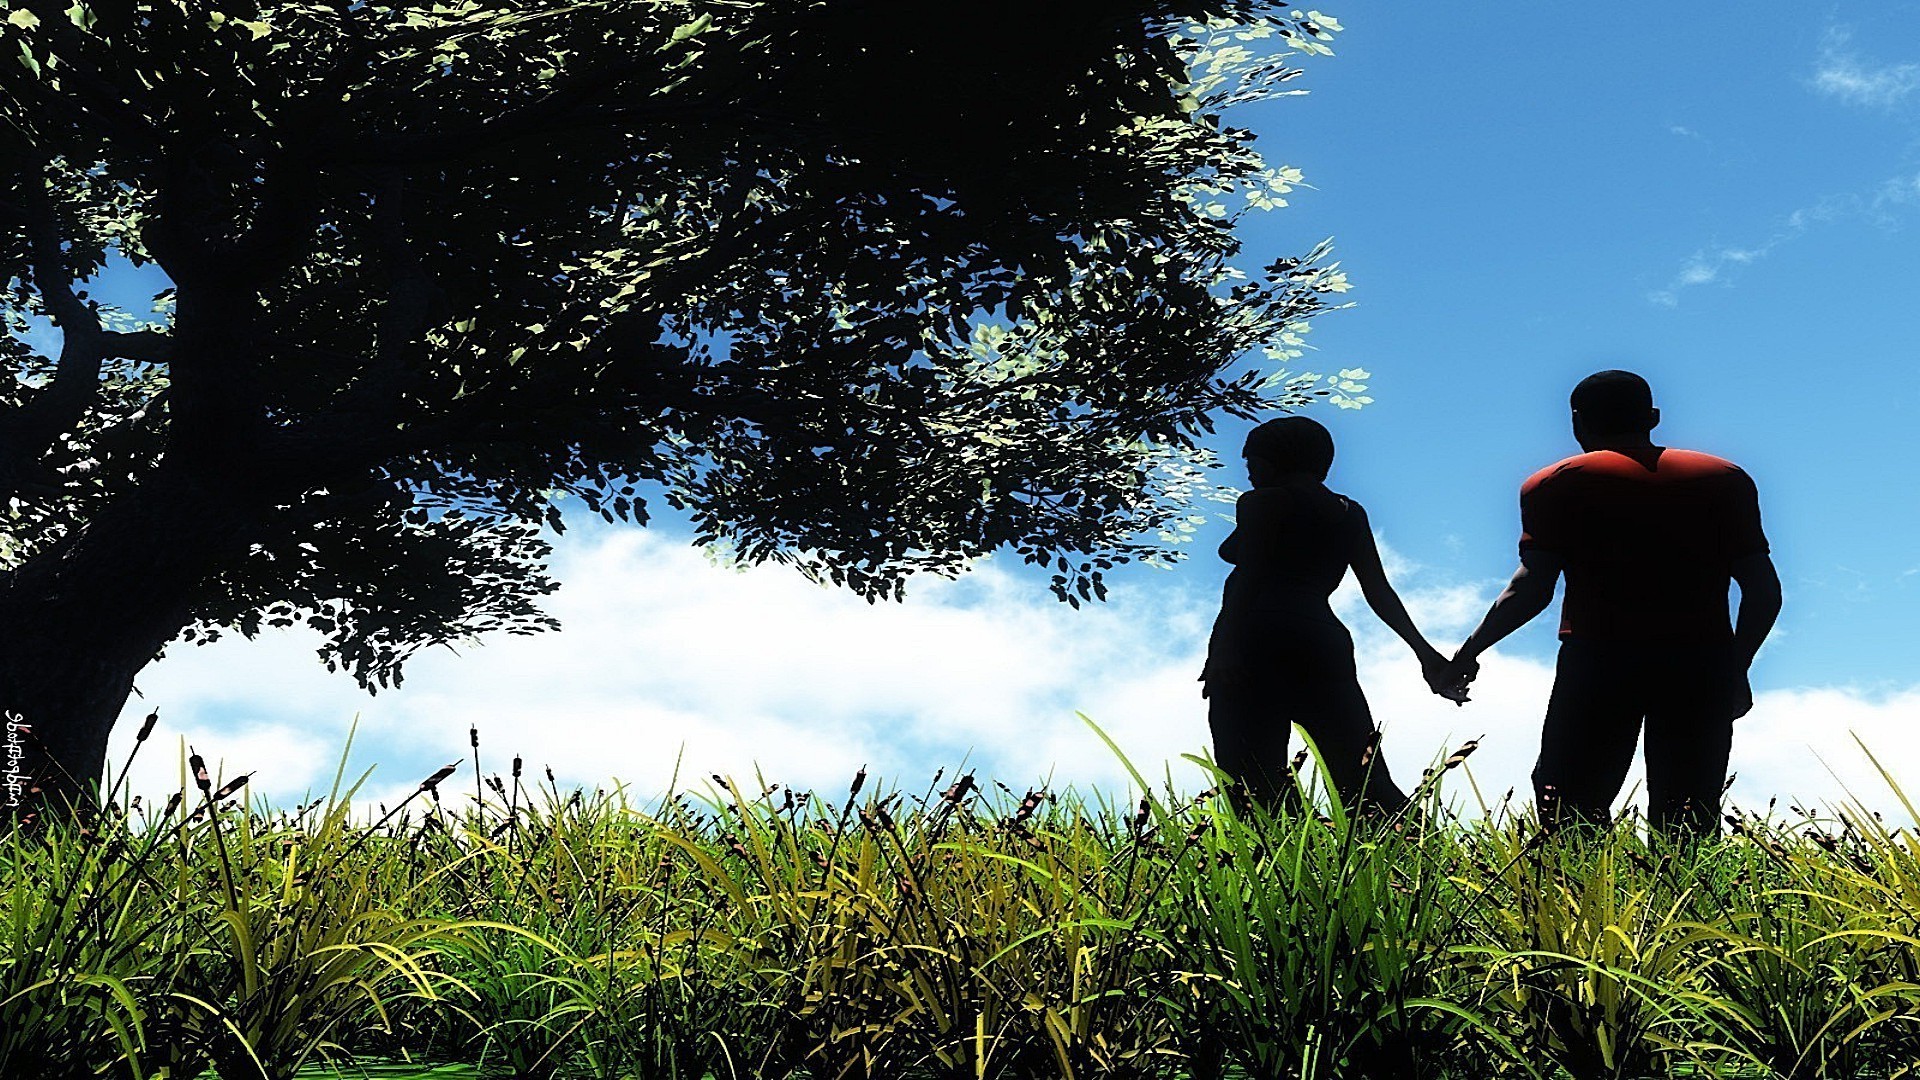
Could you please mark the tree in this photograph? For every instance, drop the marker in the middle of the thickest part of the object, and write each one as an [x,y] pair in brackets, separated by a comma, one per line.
[870,287]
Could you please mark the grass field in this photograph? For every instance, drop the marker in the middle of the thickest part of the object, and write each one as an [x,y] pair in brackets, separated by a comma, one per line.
[967,931]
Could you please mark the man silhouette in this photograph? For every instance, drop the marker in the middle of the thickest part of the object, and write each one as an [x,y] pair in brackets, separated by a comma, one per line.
[1649,539]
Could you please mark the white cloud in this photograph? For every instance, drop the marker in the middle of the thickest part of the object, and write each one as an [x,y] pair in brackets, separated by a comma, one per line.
[1844,75]
[1706,266]
[1881,206]
[1898,191]
[662,651]
[1801,743]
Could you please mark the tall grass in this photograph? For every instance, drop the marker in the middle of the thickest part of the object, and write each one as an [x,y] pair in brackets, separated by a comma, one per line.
[966,931]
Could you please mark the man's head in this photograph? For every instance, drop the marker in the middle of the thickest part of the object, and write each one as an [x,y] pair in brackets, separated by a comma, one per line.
[1612,406]
[1290,444]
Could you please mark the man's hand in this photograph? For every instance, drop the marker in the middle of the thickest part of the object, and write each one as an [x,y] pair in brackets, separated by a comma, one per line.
[1759,607]
[1738,685]
[1742,696]
[1450,678]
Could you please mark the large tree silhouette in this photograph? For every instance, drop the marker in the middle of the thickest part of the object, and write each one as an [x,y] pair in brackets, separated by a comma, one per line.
[869,287]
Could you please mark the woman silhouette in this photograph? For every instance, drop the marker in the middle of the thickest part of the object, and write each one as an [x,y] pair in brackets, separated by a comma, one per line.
[1278,655]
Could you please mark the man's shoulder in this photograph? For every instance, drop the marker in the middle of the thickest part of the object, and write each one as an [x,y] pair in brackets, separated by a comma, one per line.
[1690,463]
[1671,464]
[1543,477]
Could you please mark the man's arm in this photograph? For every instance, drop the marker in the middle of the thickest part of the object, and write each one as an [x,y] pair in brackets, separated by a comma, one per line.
[1759,604]
[1527,595]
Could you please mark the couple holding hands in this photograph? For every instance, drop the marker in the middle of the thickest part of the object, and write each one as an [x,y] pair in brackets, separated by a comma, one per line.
[1649,539]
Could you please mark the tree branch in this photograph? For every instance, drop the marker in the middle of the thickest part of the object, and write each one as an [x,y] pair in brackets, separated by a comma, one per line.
[28,429]
[46,261]
[145,346]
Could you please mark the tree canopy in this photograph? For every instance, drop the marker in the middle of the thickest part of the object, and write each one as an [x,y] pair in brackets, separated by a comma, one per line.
[869,287]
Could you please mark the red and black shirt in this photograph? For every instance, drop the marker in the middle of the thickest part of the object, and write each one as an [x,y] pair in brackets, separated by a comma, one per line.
[1648,540]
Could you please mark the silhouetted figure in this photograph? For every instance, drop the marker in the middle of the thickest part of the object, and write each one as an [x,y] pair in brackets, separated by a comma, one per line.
[1649,539]
[1278,655]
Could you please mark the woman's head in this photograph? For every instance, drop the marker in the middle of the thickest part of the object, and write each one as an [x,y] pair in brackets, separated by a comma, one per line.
[1292,444]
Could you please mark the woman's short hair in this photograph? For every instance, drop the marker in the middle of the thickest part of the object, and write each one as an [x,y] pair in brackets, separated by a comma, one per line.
[1293,444]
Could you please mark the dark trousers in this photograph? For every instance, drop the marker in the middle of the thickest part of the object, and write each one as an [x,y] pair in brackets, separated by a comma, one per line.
[1603,692]
[1304,675]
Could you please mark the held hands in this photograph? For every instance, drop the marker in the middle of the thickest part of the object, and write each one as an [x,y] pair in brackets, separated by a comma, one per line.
[1449,678]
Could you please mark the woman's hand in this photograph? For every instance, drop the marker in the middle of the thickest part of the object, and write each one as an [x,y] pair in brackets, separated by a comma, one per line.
[1222,667]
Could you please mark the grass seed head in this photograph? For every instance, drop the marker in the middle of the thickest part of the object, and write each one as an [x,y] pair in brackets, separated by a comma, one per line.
[1467,748]
[431,784]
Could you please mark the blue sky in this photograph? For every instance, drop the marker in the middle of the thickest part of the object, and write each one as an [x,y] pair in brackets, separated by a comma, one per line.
[1522,194]
[1727,203]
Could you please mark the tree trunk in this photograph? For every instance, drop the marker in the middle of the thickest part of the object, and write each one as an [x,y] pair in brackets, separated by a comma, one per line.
[79,621]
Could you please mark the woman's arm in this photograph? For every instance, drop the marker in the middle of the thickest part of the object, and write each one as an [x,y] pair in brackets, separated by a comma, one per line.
[1372,576]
